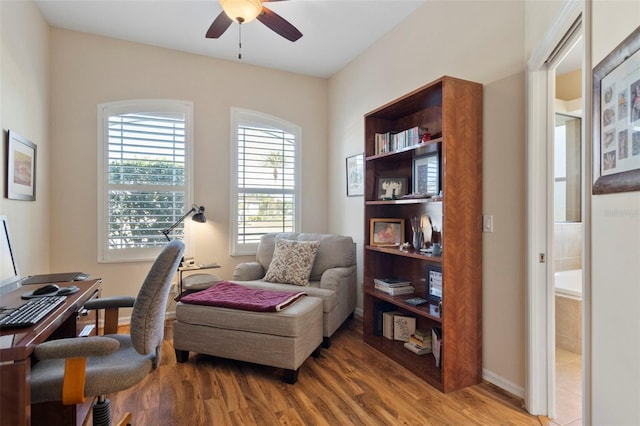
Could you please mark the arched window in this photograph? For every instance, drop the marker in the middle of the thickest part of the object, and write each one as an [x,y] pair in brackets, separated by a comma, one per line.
[265,184]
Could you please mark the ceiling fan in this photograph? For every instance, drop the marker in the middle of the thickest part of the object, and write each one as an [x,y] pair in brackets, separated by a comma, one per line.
[243,11]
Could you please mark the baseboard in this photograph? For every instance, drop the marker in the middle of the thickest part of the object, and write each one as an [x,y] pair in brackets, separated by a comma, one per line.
[503,383]
[358,312]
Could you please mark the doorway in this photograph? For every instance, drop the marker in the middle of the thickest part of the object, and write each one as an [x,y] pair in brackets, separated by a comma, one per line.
[545,383]
[568,231]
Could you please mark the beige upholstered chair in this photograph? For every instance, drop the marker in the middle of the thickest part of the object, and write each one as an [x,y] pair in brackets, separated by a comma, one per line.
[110,363]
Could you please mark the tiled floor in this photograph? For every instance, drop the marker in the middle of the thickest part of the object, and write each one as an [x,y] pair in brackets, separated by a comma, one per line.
[568,389]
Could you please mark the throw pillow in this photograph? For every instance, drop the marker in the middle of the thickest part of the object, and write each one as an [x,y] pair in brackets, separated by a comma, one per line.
[292,262]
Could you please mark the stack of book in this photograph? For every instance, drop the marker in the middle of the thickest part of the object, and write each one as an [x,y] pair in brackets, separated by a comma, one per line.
[393,286]
[419,342]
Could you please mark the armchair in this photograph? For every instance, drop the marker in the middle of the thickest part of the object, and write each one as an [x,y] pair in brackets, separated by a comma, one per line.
[68,370]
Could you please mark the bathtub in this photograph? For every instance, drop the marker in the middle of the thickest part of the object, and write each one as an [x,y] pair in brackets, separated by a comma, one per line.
[569,284]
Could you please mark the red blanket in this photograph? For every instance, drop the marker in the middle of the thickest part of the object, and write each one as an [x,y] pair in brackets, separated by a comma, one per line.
[235,296]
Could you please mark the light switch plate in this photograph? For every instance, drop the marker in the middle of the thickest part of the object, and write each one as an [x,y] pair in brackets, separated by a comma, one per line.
[487,223]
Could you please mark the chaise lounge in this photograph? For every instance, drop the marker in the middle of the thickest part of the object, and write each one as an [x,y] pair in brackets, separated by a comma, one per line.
[332,278]
[287,337]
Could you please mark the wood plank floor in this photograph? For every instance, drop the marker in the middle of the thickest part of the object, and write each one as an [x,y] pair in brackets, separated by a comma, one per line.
[349,384]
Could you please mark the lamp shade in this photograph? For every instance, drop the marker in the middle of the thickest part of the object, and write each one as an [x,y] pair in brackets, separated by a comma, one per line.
[199,216]
[242,10]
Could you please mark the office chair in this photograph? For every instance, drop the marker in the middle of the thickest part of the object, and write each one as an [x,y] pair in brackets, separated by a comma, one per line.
[68,370]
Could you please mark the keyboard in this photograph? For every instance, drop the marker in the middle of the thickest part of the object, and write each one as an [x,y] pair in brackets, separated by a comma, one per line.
[32,311]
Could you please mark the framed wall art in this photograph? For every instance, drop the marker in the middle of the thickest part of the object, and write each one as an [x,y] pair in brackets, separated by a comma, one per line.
[616,119]
[355,175]
[386,232]
[21,168]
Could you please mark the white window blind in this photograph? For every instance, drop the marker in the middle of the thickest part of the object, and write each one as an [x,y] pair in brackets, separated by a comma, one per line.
[145,181]
[265,185]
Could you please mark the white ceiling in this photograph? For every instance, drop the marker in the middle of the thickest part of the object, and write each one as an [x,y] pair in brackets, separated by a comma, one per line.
[334,31]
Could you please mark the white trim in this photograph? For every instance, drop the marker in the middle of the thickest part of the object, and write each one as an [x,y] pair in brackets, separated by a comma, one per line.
[502,383]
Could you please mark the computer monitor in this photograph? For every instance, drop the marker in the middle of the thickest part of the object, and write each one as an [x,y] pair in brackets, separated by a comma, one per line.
[9,274]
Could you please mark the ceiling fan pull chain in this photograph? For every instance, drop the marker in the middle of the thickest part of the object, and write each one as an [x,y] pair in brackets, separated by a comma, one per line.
[240,40]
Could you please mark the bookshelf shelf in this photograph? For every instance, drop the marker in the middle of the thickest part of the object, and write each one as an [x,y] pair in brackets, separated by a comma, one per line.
[452,110]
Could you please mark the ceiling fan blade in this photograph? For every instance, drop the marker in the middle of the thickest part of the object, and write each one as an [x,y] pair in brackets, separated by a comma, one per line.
[219,25]
[278,24]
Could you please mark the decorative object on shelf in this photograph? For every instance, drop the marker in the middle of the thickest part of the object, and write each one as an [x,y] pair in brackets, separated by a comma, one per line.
[21,168]
[197,217]
[426,174]
[418,236]
[355,175]
[391,188]
[386,232]
[426,136]
[616,103]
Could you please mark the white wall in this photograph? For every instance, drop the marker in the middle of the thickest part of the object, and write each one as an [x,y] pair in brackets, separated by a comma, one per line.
[24,108]
[479,41]
[87,70]
[615,269]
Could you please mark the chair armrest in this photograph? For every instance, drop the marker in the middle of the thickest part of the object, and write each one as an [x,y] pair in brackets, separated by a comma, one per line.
[248,271]
[111,306]
[110,302]
[334,278]
[76,347]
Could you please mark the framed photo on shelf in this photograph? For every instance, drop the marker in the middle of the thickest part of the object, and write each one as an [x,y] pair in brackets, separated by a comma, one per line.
[434,283]
[355,175]
[426,174]
[616,119]
[21,168]
[390,188]
[386,232]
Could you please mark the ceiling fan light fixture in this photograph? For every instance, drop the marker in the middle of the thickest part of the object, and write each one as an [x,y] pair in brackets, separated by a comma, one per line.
[242,11]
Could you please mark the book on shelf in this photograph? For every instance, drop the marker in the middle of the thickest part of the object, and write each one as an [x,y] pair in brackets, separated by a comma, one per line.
[395,291]
[417,349]
[403,327]
[418,341]
[395,141]
[378,311]
[392,282]
[388,324]
[436,345]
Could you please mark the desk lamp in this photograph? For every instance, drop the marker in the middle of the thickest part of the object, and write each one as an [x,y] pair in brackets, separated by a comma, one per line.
[197,217]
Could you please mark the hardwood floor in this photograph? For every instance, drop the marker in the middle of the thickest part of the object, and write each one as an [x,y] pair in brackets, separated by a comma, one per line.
[349,384]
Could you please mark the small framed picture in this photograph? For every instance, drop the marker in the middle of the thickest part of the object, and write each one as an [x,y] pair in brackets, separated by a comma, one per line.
[434,283]
[426,174]
[390,188]
[21,168]
[386,232]
[355,175]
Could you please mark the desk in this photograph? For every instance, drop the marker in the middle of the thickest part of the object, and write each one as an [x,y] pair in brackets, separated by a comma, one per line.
[17,345]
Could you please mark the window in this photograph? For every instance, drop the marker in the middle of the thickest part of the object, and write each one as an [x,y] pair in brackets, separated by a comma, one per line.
[264,183]
[144,178]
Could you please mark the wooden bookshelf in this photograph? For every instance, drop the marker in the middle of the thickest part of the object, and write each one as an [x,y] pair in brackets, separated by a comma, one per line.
[452,111]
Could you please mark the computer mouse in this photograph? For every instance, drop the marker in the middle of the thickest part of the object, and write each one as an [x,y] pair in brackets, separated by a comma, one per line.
[67,290]
[49,288]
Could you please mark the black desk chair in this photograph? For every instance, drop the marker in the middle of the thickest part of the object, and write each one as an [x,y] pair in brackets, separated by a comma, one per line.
[68,370]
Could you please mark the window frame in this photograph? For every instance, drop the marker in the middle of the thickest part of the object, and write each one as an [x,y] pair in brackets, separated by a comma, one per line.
[240,116]
[104,111]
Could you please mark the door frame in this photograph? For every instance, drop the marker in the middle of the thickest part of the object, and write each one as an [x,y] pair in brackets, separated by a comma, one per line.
[540,305]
